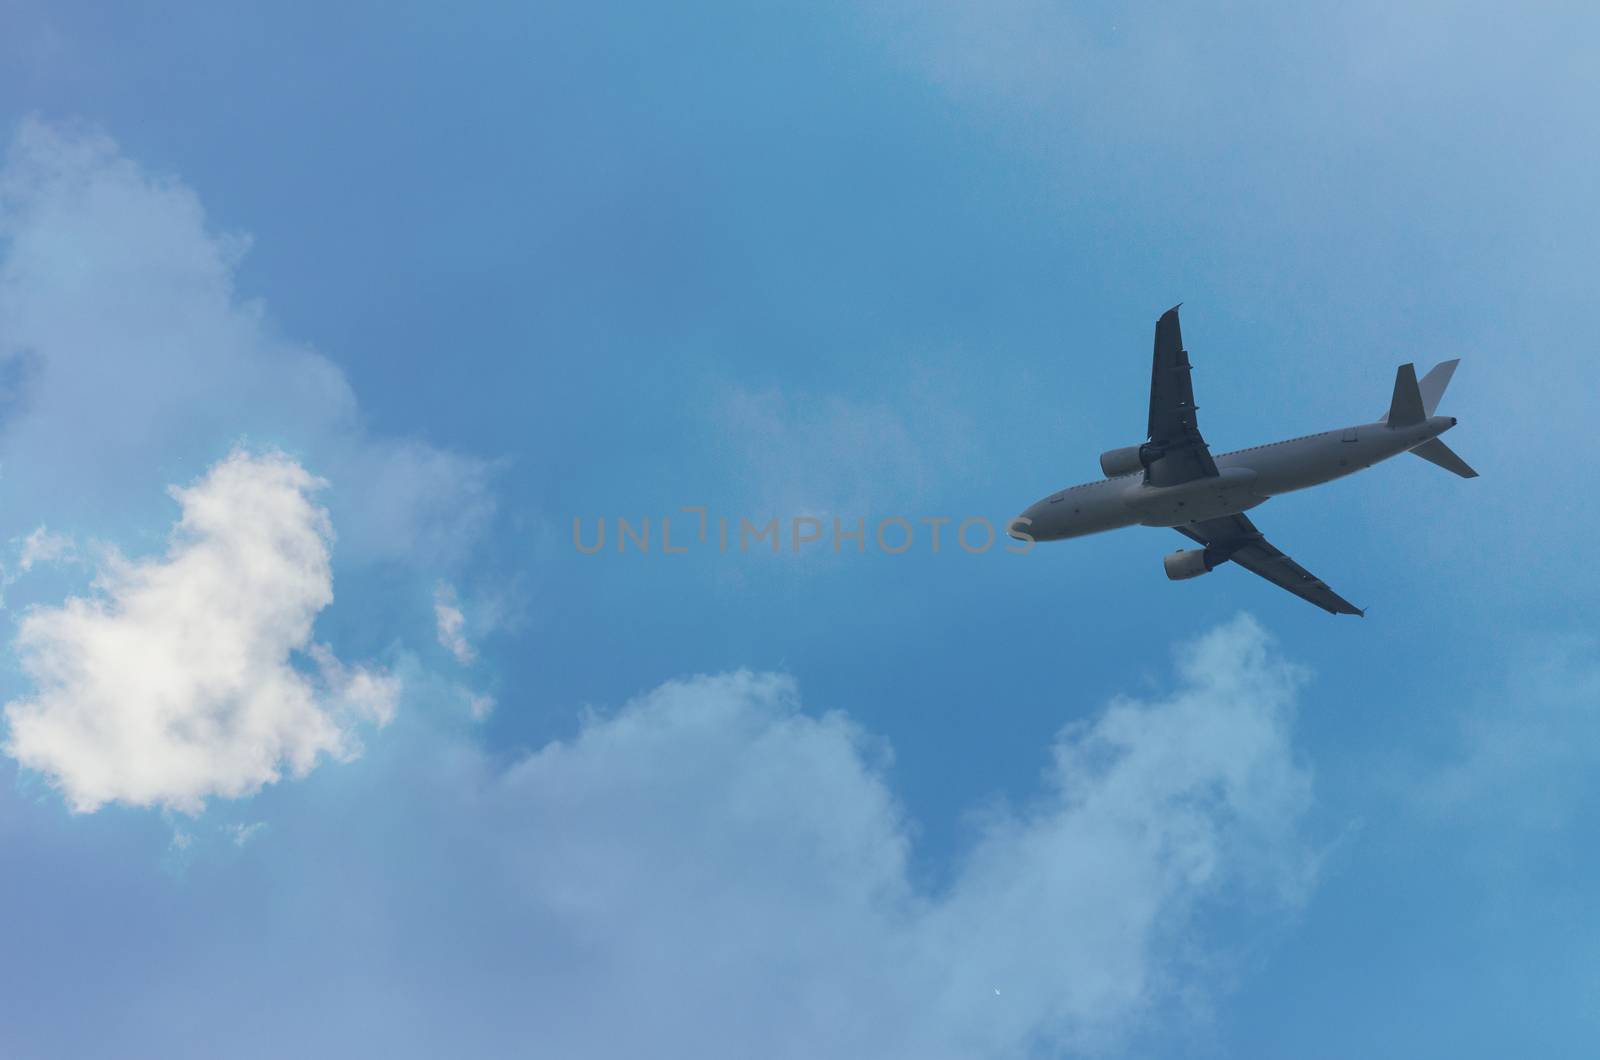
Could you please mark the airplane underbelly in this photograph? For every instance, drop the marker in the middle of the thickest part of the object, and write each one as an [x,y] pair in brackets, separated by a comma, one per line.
[1094,516]
[1080,511]
[1311,462]
[1232,491]
[1180,513]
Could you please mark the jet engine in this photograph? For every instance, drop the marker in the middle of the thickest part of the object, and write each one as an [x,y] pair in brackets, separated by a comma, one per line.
[1125,461]
[1187,563]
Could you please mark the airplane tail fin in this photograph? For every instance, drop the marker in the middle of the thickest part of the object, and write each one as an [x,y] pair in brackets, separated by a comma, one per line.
[1414,400]
[1432,385]
[1436,452]
[1406,408]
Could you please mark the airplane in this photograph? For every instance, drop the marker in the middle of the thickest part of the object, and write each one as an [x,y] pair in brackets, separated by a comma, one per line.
[1172,478]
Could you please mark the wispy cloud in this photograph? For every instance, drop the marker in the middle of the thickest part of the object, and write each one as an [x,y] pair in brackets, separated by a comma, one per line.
[172,362]
[829,454]
[42,546]
[450,625]
[240,834]
[773,851]
[1524,747]
[479,705]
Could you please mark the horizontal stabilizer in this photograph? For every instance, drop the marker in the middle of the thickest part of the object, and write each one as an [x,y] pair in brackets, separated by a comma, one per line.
[1405,408]
[1436,452]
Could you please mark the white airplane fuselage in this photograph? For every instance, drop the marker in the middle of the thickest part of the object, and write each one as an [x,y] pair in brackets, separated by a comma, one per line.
[1245,478]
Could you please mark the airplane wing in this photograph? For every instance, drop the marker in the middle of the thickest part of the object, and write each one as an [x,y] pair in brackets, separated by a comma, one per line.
[1235,537]
[1173,430]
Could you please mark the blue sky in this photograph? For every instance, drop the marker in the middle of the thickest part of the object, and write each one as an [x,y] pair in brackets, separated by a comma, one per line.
[392,294]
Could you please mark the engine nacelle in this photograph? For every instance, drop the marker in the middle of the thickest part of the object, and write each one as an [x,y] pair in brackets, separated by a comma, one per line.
[1124,461]
[1187,563]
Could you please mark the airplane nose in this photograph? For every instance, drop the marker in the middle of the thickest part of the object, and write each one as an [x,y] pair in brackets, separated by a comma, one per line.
[1023,524]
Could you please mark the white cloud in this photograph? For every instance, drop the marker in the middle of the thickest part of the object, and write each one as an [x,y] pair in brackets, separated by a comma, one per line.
[450,624]
[176,681]
[479,705]
[734,873]
[125,349]
[712,871]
